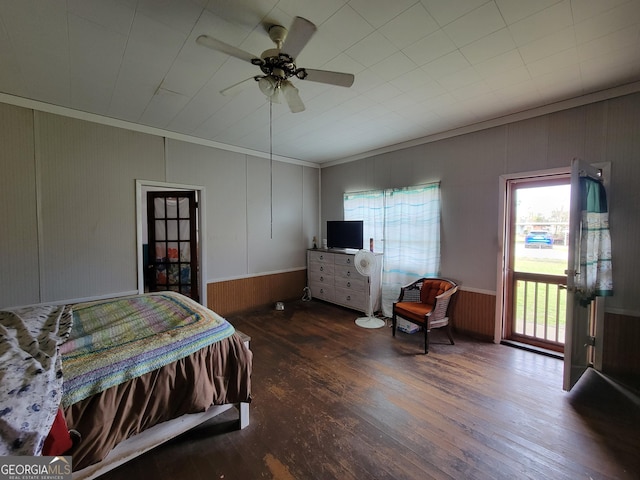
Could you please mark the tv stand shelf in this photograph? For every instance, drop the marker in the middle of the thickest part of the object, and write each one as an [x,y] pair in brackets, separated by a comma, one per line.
[332,276]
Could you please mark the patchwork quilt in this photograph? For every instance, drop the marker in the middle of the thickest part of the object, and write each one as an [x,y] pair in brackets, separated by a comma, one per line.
[113,341]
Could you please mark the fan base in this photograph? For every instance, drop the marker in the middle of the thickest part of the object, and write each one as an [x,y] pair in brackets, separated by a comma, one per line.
[277,34]
[370,322]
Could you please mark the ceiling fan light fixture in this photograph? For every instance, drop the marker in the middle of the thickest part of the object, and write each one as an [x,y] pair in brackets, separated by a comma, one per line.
[268,85]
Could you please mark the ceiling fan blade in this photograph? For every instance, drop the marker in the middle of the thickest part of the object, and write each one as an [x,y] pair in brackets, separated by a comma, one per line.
[332,78]
[236,87]
[299,35]
[292,96]
[215,44]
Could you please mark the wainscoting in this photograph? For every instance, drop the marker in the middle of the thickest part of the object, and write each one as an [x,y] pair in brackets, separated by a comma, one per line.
[474,314]
[241,295]
[621,349]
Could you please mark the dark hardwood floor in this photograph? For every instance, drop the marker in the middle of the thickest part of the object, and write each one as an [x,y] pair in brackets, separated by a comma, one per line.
[335,401]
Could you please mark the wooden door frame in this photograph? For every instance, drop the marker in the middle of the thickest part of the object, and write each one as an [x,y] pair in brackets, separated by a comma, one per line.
[503,243]
[142,186]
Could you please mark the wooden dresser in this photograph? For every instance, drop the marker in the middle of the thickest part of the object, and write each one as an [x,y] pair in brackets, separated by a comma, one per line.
[332,276]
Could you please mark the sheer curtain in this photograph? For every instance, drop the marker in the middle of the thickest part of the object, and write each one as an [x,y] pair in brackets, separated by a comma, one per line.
[369,207]
[405,225]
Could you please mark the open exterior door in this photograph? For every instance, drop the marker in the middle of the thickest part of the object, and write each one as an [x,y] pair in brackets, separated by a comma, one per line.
[582,315]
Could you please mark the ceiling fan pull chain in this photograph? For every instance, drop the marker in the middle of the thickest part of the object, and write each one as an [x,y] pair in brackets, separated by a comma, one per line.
[271,161]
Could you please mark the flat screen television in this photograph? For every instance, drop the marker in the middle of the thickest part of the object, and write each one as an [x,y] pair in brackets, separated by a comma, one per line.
[344,234]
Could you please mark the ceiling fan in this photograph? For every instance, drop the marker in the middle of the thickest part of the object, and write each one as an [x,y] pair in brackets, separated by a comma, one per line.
[278,64]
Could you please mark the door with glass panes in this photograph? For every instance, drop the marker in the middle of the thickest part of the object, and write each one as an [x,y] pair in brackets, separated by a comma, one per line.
[172,262]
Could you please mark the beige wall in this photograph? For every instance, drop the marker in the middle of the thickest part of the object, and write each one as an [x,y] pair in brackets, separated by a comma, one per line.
[69,213]
[238,208]
[85,192]
[19,274]
[469,166]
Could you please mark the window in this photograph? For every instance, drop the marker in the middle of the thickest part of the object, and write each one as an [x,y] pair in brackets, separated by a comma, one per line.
[405,225]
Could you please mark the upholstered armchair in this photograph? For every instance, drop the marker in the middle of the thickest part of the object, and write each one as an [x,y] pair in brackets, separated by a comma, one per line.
[425,302]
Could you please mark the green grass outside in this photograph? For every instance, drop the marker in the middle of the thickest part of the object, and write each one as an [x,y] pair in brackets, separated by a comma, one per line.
[549,267]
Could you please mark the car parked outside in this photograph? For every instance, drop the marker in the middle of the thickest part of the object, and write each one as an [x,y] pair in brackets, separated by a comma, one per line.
[538,239]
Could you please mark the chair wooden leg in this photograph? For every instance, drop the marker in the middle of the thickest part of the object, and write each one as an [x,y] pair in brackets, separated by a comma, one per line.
[394,321]
[449,334]
[426,340]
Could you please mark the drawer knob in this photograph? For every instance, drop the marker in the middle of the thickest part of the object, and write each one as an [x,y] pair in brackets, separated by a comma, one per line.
[349,273]
[322,279]
[348,284]
[322,269]
[348,298]
[348,260]
[321,257]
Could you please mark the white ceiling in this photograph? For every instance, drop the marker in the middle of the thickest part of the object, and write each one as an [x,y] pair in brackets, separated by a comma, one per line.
[421,67]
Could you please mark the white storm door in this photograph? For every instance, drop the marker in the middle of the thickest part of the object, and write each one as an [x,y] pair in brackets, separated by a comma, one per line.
[580,328]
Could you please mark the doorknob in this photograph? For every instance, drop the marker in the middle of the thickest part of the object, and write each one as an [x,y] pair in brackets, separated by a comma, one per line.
[568,289]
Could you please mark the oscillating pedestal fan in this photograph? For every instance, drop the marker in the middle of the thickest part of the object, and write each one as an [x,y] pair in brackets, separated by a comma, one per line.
[365,262]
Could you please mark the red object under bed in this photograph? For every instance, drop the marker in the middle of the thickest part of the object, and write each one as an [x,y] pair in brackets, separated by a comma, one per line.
[59,440]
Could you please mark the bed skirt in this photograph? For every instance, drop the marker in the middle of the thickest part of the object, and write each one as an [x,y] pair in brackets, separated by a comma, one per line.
[215,375]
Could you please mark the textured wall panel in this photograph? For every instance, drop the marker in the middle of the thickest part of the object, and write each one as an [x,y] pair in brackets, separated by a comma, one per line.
[87,191]
[223,175]
[274,216]
[623,151]
[311,212]
[19,274]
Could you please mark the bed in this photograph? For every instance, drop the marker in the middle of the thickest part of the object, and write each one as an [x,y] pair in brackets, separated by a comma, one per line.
[127,374]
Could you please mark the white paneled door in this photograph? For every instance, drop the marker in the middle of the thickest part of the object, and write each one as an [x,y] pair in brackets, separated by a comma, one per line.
[584,338]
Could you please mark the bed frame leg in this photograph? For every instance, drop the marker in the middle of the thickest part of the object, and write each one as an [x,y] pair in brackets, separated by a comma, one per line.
[243,408]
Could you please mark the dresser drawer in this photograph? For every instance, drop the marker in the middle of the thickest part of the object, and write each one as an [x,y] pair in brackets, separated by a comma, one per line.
[323,292]
[346,271]
[320,278]
[324,268]
[350,298]
[357,284]
[321,257]
[345,260]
